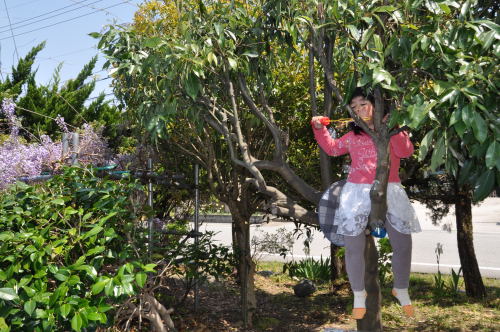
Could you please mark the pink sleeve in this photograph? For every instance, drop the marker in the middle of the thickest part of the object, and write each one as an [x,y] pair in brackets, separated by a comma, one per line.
[332,147]
[401,145]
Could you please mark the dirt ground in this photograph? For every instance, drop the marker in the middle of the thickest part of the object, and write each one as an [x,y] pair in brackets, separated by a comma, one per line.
[278,309]
[328,309]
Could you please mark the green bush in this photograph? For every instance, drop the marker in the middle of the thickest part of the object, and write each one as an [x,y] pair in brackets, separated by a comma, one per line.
[66,243]
[62,244]
[309,268]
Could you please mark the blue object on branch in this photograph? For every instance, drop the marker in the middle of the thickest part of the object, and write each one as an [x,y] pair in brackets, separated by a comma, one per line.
[379,232]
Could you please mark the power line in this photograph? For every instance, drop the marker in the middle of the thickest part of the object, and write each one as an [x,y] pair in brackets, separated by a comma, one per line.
[46,18]
[11,31]
[24,4]
[64,21]
[100,9]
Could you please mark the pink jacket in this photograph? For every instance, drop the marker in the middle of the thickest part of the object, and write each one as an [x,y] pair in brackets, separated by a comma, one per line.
[363,153]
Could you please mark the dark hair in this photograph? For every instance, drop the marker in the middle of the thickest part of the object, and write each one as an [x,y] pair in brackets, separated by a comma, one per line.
[359,92]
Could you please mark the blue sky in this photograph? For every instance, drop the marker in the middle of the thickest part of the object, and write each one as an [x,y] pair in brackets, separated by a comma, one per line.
[64,25]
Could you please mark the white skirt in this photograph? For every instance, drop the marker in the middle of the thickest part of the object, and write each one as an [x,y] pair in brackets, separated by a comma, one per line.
[351,217]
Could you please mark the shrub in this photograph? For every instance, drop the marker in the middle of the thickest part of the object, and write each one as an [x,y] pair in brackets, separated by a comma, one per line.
[67,242]
[309,268]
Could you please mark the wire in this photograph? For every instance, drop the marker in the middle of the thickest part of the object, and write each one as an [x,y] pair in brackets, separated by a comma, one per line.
[46,18]
[11,31]
[100,9]
[24,4]
[71,19]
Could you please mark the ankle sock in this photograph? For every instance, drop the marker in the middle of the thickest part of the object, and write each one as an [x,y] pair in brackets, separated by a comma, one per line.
[359,307]
[402,295]
[359,299]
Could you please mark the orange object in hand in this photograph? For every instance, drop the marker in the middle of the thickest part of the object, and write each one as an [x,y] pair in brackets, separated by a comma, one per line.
[325,121]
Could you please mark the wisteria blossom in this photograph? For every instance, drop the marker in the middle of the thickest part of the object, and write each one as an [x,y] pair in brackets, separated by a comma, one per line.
[61,123]
[18,159]
[9,110]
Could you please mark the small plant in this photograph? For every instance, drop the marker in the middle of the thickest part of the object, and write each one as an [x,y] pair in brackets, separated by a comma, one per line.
[280,242]
[384,260]
[309,268]
[439,282]
[454,282]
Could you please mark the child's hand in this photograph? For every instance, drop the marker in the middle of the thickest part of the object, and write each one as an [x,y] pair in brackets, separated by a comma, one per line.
[319,121]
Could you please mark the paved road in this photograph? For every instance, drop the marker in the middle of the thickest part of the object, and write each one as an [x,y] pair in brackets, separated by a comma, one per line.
[486,219]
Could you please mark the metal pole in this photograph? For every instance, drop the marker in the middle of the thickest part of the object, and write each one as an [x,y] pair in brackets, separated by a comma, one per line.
[65,146]
[75,143]
[196,229]
[150,203]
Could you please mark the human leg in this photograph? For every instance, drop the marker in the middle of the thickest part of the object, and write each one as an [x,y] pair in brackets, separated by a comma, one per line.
[401,265]
[355,266]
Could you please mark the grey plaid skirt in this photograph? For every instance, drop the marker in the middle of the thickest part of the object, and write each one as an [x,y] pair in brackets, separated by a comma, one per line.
[328,205]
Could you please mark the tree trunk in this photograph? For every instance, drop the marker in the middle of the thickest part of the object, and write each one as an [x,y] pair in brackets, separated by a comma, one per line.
[474,286]
[246,267]
[372,321]
[378,195]
[337,266]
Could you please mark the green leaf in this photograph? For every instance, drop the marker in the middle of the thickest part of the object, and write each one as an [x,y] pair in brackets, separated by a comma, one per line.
[41,314]
[380,75]
[386,9]
[149,268]
[460,127]
[99,286]
[425,144]
[29,307]
[438,154]
[467,115]
[3,325]
[212,58]
[94,316]
[479,127]
[484,185]
[444,7]
[418,112]
[8,294]
[152,42]
[354,31]
[94,231]
[487,39]
[219,29]
[490,24]
[366,36]
[77,322]
[378,43]
[192,86]
[141,278]
[455,117]
[58,201]
[251,54]
[65,310]
[232,63]
[95,35]
[493,155]
[104,307]
[6,236]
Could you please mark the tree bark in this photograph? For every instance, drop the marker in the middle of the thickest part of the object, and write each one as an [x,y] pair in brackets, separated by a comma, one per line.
[378,194]
[246,267]
[372,321]
[474,286]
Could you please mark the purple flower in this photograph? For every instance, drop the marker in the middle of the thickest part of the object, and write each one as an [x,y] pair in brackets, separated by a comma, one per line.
[9,109]
[61,124]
